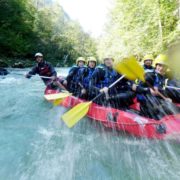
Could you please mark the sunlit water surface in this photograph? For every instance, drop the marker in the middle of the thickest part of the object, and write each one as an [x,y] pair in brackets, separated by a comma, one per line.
[35,144]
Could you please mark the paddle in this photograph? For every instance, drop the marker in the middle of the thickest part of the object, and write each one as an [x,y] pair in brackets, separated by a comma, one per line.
[61,95]
[45,77]
[172,87]
[57,102]
[133,70]
[74,115]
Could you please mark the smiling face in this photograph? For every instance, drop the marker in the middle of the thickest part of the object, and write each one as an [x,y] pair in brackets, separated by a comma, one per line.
[161,69]
[148,62]
[81,63]
[91,64]
[108,62]
[39,59]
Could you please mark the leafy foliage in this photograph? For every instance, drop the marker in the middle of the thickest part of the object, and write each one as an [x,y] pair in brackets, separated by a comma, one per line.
[28,26]
[139,27]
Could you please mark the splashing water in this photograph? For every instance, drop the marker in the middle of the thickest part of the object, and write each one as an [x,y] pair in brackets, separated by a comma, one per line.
[35,143]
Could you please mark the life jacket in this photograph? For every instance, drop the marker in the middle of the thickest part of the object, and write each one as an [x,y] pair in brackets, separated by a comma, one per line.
[109,77]
[44,69]
[76,73]
[148,69]
[87,76]
[160,81]
[157,81]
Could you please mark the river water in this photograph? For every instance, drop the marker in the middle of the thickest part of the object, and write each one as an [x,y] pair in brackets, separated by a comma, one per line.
[35,144]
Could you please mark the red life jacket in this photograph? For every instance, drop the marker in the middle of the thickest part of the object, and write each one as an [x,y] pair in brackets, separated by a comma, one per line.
[44,70]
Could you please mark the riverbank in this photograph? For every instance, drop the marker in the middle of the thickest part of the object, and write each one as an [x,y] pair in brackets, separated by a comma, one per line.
[15,62]
[24,63]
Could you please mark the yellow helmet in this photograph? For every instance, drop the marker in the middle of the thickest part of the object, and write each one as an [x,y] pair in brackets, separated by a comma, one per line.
[91,59]
[148,57]
[80,59]
[161,59]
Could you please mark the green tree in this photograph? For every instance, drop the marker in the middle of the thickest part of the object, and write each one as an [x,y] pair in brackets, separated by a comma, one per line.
[16,23]
[139,27]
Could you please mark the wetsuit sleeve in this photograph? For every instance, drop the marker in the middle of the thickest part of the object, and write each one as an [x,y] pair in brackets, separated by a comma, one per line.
[81,75]
[33,71]
[151,78]
[142,90]
[72,71]
[97,76]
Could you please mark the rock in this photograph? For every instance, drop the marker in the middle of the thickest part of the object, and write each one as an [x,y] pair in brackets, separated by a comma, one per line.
[3,72]
[18,65]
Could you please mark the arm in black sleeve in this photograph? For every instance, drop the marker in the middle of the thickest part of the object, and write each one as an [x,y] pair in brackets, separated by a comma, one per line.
[95,79]
[33,71]
[142,90]
[71,73]
[82,73]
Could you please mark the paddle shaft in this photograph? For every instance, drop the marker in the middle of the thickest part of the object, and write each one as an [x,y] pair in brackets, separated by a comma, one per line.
[171,87]
[114,83]
[160,94]
[45,77]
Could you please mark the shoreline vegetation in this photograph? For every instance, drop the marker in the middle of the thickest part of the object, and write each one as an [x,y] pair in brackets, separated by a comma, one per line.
[24,62]
[132,28]
[30,26]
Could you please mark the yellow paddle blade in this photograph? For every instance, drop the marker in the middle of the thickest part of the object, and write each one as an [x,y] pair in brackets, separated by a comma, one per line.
[131,68]
[74,115]
[123,69]
[56,96]
[57,102]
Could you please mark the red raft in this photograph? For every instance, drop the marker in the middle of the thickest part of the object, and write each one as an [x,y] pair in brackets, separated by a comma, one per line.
[128,121]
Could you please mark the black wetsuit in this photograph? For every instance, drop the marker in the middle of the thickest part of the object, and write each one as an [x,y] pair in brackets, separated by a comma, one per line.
[119,96]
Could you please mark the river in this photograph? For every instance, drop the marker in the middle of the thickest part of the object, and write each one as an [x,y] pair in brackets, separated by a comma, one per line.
[35,144]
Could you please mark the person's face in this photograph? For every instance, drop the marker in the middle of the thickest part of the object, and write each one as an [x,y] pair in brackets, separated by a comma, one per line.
[148,62]
[39,59]
[81,63]
[92,64]
[161,69]
[108,62]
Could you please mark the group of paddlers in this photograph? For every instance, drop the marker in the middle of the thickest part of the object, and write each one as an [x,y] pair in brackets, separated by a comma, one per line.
[87,79]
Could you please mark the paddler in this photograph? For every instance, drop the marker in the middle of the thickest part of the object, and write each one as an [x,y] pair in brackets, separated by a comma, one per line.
[104,75]
[148,63]
[72,79]
[85,75]
[151,104]
[148,68]
[44,68]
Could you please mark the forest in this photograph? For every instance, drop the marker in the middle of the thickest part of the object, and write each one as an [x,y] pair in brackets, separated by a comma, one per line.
[28,26]
[136,27]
